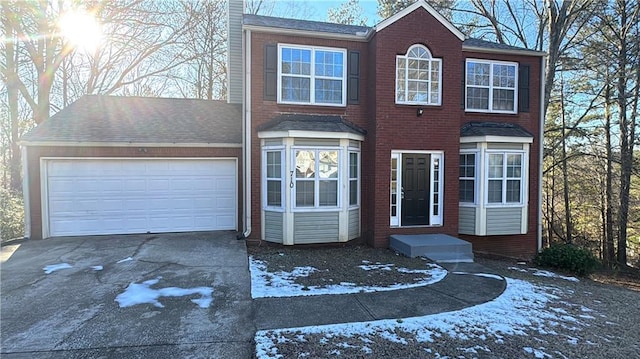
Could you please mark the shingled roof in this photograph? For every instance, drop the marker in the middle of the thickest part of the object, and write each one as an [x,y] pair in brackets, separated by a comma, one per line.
[112,119]
[473,129]
[305,122]
[304,25]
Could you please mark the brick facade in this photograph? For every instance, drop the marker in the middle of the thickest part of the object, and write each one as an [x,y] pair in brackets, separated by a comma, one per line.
[392,126]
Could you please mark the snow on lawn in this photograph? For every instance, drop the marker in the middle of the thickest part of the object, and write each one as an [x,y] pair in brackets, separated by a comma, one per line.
[143,293]
[543,273]
[54,267]
[524,309]
[282,284]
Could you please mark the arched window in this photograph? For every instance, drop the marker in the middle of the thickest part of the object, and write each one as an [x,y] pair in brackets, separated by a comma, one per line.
[418,77]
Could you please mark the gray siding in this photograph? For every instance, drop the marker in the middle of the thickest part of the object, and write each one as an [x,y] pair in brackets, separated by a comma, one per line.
[315,227]
[273,142]
[466,146]
[315,142]
[234,55]
[504,221]
[467,220]
[504,146]
[273,228]
[354,223]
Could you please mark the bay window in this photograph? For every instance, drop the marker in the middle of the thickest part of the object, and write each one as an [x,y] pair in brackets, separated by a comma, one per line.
[316,178]
[504,178]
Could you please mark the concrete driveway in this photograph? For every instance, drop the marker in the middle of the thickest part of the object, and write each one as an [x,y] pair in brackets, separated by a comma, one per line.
[78,312]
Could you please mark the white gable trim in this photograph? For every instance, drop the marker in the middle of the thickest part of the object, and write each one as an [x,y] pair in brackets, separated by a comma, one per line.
[498,139]
[423,4]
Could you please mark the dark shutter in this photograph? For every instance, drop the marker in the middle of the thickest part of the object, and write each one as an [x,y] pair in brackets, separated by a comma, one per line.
[523,88]
[271,72]
[463,85]
[353,77]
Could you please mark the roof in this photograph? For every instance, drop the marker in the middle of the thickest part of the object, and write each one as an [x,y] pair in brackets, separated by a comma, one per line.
[489,45]
[113,119]
[361,32]
[304,25]
[305,122]
[477,129]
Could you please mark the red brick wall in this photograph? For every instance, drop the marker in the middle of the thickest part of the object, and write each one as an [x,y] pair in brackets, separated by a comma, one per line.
[263,111]
[396,127]
[399,128]
[35,153]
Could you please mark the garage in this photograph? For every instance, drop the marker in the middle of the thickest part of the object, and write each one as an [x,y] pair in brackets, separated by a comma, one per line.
[120,196]
[125,165]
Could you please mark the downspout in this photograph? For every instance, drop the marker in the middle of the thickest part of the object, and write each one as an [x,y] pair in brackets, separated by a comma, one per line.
[246,130]
[541,145]
[25,193]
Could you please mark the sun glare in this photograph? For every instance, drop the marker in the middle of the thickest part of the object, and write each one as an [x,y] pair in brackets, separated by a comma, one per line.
[81,29]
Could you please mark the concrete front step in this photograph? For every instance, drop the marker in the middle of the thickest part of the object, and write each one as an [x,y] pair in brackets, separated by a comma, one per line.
[437,247]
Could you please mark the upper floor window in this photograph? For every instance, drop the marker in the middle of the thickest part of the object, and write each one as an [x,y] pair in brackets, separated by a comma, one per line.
[418,77]
[311,75]
[491,86]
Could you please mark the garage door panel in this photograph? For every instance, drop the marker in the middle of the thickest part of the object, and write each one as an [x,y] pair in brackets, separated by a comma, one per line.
[112,196]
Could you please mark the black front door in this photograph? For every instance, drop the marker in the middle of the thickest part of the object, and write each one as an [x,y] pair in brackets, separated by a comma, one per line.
[415,189]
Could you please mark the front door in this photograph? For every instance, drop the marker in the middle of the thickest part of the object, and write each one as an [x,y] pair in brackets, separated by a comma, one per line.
[415,189]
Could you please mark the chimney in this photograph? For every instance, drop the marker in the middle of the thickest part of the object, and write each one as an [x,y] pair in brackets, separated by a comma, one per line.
[234,51]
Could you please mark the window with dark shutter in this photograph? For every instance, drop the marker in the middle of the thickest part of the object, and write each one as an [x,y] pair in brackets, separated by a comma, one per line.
[271,72]
[353,80]
[523,88]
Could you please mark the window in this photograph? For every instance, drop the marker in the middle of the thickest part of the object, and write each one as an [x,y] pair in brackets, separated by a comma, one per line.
[311,75]
[418,77]
[316,178]
[491,86]
[468,177]
[504,178]
[273,173]
[354,174]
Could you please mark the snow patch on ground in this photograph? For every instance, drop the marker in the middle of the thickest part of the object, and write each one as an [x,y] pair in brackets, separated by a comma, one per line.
[543,273]
[97,268]
[125,260]
[143,293]
[484,275]
[54,267]
[282,284]
[523,309]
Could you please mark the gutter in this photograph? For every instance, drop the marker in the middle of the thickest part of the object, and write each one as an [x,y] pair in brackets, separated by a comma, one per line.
[25,193]
[540,164]
[246,130]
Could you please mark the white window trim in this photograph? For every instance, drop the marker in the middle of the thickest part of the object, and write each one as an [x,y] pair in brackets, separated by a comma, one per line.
[312,76]
[491,87]
[524,181]
[357,179]
[283,179]
[293,180]
[406,78]
[435,221]
[476,186]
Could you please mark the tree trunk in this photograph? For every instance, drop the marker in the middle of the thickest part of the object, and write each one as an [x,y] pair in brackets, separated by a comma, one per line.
[565,172]
[608,250]
[11,61]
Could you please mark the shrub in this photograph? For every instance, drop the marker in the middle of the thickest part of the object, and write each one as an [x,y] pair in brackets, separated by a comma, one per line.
[11,215]
[568,257]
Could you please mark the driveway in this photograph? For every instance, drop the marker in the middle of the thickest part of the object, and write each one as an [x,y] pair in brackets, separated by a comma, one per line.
[131,296]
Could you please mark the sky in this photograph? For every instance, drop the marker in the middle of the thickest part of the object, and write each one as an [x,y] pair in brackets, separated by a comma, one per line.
[321,8]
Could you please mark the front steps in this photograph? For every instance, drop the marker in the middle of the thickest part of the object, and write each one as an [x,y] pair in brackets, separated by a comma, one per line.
[437,247]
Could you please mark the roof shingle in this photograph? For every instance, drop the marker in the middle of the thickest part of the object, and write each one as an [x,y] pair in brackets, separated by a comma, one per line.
[306,122]
[304,25]
[97,118]
[473,129]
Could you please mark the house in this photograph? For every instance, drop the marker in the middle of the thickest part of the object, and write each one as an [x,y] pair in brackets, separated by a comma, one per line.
[331,133]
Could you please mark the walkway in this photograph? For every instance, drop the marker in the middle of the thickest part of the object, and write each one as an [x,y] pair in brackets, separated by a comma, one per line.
[454,292]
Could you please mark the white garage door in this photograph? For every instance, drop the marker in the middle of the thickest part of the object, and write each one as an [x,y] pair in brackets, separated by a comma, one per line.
[119,196]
